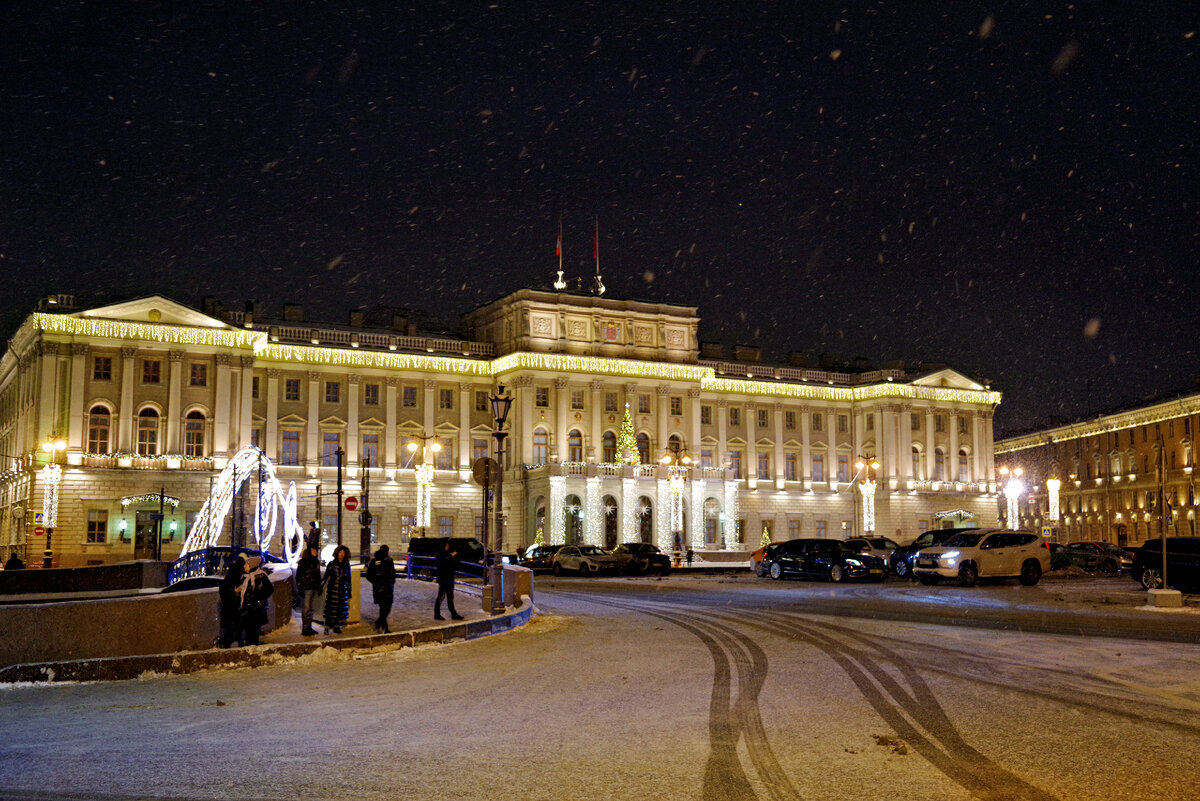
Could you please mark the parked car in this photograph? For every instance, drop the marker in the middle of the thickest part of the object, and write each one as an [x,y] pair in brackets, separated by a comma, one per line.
[820,558]
[875,546]
[902,556]
[1102,557]
[643,557]
[422,554]
[1183,563]
[539,557]
[585,559]
[984,553]
[760,559]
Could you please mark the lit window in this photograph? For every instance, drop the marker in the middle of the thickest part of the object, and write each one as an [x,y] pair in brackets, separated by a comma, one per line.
[289,454]
[643,446]
[97,525]
[789,466]
[735,462]
[843,464]
[609,441]
[818,467]
[193,441]
[147,434]
[99,423]
[575,446]
[444,459]
[370,450]
[330,442]
[764,465]
[541,446]
[445,526]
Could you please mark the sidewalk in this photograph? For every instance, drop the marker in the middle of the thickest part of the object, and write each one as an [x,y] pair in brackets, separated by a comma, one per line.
[411,622]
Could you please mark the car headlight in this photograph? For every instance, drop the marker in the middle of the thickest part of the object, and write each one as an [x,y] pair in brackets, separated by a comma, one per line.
[853,563]
[951,555]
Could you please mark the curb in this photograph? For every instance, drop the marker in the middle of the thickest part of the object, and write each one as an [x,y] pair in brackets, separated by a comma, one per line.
[124,668]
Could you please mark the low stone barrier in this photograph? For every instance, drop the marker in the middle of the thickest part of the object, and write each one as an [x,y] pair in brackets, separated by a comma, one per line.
[138,575]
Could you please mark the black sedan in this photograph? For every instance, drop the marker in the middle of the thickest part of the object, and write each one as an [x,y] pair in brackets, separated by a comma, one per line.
[1183,563]
[539,557]
[902,556]
[826,559]
[644,557]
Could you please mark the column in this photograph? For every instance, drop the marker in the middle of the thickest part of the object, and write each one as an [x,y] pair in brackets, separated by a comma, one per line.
[779,471]
[429,400]
[905,446]
[464,424]
[390,454]
[596,410]
[75,432]
[885,437]
[246,408]
[352,447]
[312,456]
[831,435]
[270,442]
[221,415]
[125,412]
[664,418]
[47,396]
[174,400]
[806,446]
[524,401]
[694,436]
[952,421]
[930,441]
[751,465]
[722,432]
[562,402]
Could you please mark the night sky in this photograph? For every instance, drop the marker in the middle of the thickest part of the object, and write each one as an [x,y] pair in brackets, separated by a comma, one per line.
[1008,188]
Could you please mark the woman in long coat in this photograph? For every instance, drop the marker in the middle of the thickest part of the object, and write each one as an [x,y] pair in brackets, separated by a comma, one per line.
[337,590]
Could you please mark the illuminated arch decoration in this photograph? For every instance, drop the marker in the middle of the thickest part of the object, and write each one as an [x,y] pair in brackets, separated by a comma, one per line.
[206,530]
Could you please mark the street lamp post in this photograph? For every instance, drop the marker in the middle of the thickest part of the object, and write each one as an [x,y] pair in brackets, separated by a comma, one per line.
[501,404]
[51,475]
[676,460]
[424,474]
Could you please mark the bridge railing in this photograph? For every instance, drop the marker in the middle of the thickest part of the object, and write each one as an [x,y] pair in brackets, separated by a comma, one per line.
[214,561]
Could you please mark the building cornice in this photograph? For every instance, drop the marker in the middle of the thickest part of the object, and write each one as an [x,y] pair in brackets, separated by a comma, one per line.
[1156,413]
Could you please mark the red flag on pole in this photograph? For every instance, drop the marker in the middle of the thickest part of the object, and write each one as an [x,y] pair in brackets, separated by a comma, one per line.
[558,247]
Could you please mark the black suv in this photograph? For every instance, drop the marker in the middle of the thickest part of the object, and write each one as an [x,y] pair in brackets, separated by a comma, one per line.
[818,558]
[902,557]
[1183,563]
[539,557]
[644,557]
[422,553]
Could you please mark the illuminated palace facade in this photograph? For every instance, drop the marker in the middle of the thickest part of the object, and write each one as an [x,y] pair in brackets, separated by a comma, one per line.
[1100,479]
[148,400]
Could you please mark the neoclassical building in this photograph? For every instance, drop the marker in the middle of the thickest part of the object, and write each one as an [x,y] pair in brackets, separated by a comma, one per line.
[1101,479]
[149,399]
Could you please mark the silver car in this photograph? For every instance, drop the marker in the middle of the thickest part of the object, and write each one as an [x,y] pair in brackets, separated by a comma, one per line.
[586,559]
[984,553]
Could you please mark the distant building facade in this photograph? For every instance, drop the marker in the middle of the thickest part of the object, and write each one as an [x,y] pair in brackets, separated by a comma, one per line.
[151,398]
[1120,478]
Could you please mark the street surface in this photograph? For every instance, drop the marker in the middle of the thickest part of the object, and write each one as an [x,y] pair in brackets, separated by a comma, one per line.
[684,688]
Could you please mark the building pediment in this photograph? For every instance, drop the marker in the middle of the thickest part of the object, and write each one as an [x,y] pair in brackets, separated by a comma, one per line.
[153,309]
[951,379]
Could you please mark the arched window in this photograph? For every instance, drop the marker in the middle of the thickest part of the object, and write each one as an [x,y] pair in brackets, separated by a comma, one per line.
[963,473]
[643,443]
[916,464]
[147,432]
[675,444]
[193,441]
[99,422]
[575,446]
[541,445]
[610,447]
[939,465]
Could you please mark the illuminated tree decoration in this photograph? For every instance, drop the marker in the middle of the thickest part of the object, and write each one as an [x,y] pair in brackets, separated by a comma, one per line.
[867,492]
[1012,491]
[51,476]
[627,449]
[210,522]
[1052,486]
[593,521]
[424,474]
[733,534]
[557,513]
[629,520]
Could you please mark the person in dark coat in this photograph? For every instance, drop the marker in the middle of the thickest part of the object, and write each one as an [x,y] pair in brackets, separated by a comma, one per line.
[231,604]
[14,562]
[447,565]
[308,582]
[254,591]
[337,590]
[381,572]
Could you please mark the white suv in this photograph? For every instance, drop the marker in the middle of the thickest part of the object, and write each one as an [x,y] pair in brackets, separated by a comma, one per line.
[984,553]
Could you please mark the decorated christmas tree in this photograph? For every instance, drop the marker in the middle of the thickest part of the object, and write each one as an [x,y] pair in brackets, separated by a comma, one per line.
[627,449]
[766,536]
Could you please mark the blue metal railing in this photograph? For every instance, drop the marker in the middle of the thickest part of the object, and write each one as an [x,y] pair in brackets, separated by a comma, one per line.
[214,561]
[424,568]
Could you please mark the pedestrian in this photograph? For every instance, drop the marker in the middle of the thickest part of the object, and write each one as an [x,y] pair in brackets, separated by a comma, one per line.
[690,555]
[231,604]
[14,562]
[313,538]
[308,581]
[381,572]
[337,590]
[447,565]
[254,591]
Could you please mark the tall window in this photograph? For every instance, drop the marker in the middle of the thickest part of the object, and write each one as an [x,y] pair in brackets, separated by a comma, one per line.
[444,459]
[735,416]
[610,401]
[610,447]
[479,449]
[764,418]
[370,394]
[333,392]
[735,462]
[870,421]
[916,421]
[575,446]
[370,450]
[789,420]
[821,529]
[789,467]
[445,399]
[818,467]
[541,397]
[147,436]
[962,425]
[102,368]
[481,402]
[291,389]
[541,446]
[764,465]
[199,376]
[939,465]
[151,371]
[705,415]
[793,529]
[963,474]
[330,442]
[408,396]
[939,422]
[643,446]
[577,399]
[916,464]
[643,404]
[289,453]
[193,438]
[445,526]
[99,422]
[817,421]
[843,467]
[97,525]
[843,423]
[676,406]
[254,383]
